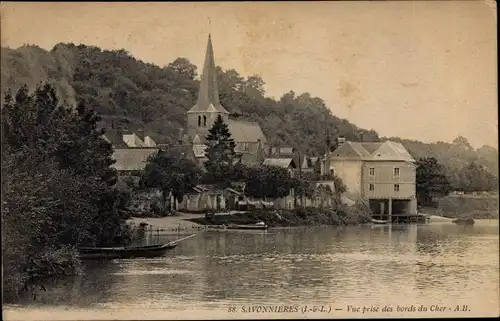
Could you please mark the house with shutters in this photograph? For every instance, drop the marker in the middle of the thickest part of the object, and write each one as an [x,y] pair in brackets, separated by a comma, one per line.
[251,143]
[381,174]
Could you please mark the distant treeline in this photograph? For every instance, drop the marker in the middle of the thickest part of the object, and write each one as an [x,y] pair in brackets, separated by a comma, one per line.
[131,94]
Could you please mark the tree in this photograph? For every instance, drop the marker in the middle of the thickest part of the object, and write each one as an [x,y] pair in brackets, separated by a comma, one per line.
[340,187]
[431,180]
[462,142]
[172,173]
[475,178]
[268,182]
[302,187]
[220,154]
[57,189]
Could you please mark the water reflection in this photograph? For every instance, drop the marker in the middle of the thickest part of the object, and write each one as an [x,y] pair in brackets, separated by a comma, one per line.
[400,263]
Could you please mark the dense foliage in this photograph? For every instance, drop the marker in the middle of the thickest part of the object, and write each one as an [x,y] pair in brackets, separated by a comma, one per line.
[131,94]
[220,154]
[172,173]
[474,178]
[268,182]
[309,216]
[57,186]
[431,181]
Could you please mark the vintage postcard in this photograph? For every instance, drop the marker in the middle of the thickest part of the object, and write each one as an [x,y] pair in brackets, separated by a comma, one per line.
[249,160]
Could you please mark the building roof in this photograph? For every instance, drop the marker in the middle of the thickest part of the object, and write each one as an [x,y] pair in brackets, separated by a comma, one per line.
[386,151]
[208,95]
[114,139]
[245,131]
[132,159]
[371,147]
[280,162]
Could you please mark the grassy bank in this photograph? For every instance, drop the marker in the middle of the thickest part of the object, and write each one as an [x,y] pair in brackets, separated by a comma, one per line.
[291,218]
[478,207]
[463,206]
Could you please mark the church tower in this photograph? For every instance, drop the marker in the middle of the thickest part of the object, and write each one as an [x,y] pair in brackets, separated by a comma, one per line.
[202,116]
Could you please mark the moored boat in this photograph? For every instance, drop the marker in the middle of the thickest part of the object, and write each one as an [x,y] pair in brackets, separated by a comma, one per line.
[464,221]
[374,221]
[93,253]
[247,227]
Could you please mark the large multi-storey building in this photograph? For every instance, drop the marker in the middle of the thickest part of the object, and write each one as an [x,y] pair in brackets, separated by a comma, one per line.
[382,174]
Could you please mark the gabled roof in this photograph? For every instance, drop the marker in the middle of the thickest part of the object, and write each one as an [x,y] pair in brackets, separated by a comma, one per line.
[208,95]
[280,162]
[114,139]
[245,131]
[386,151]
[351,150]
[132,159]
[371,147]
[390,151]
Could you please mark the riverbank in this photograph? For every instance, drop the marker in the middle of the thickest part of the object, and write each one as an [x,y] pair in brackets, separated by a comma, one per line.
[192,222]
[465,206]
[290,218]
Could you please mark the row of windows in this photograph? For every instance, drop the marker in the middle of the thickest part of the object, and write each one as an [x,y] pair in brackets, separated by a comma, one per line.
[396,187]
[395,172]
[202,121]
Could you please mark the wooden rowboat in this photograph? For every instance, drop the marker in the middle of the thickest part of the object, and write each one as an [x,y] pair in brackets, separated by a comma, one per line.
[247,227]
[125,252]
[374,221]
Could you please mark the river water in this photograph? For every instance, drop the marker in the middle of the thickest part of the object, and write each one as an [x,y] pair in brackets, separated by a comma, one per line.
[405,268]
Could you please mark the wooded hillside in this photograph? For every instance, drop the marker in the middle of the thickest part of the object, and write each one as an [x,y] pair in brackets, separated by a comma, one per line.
[131,94]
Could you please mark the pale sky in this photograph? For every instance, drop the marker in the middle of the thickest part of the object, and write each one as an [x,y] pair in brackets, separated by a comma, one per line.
[424,70]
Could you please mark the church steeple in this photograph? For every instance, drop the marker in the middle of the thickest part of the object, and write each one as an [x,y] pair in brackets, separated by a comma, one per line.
[208,95]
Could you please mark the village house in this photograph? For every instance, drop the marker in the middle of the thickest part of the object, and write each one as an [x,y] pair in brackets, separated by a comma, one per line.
[382,175]
[251,143]
[209,197]
[307,163]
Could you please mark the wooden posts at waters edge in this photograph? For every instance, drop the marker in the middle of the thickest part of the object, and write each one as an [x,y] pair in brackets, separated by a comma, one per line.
[390,210]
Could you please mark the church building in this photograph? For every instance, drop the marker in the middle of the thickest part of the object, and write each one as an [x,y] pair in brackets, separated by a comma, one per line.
[250,140]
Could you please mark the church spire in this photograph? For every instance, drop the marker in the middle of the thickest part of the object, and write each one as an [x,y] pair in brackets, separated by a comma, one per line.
[208,95]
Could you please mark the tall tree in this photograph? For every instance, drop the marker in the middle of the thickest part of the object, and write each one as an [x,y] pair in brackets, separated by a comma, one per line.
[268,182]
[172,173]
[476,178]
[220,154]
[431,180]
[57,188]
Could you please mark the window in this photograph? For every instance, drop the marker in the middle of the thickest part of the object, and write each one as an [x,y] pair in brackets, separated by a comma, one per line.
[244,146]
[332,172]
[396,171]
[199,121]
[396,187]
[372,187]
[372,171]
[204,121]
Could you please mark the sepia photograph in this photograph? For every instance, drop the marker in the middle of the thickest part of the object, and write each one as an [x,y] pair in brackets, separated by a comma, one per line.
[249,160]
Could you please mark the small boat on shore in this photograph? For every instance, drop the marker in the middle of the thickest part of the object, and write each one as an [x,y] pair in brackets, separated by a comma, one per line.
[374,221]
[258,226]
[463,221]
[125,252]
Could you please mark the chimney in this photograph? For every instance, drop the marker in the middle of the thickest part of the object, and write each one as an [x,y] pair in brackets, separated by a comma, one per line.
[340,140]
